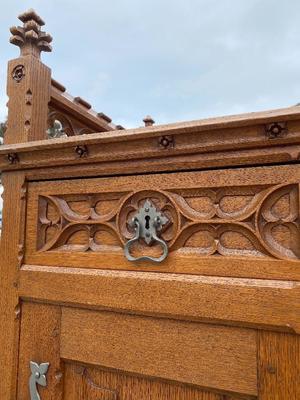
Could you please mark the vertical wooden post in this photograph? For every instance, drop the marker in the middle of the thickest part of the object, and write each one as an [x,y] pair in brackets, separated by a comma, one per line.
[28,88]
[12,239]
[28,82]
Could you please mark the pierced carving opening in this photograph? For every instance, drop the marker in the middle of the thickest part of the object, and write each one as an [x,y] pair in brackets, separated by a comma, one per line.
[28,97]
[18,73]
[252,221]
[55,129]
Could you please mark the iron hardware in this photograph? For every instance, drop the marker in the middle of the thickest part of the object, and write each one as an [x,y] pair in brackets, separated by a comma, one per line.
[147,223]
[37,377]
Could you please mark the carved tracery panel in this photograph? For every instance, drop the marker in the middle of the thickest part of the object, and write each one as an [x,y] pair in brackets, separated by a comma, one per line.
[250,221]
[69,126]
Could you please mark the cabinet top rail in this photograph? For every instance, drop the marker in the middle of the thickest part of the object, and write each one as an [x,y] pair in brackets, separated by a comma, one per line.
[245,139]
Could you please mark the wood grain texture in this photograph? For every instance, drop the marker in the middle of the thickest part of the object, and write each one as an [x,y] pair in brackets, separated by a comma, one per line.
[28,89]
[130,167]
[207,222]
[28,82]
[198,144]
[233,301]
[220,222]
[39,342]
[278,366]
[180,351]
[96,384]
[28,101]
[12,251]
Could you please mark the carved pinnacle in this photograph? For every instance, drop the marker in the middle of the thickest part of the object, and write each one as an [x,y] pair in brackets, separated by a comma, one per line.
[149,121]
[29,37]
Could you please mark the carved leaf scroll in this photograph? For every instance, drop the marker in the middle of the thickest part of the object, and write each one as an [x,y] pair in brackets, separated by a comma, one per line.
[252,221]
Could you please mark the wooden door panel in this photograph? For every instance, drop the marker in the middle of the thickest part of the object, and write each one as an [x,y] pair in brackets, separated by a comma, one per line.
[239,222]
[167,359]
[80,384]
[90,383]
[180,351]
[278,366]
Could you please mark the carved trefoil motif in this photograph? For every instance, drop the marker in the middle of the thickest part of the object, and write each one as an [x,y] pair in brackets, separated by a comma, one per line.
[251,221]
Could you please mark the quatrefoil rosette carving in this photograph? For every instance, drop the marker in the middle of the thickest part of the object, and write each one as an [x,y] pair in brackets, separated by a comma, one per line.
[254,221]
[162,202]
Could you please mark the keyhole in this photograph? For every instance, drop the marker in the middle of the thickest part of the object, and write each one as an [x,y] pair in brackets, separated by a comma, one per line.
[147,219]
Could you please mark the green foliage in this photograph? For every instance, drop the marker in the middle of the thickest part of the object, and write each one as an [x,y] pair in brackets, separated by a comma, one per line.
[54,131]
[2,131]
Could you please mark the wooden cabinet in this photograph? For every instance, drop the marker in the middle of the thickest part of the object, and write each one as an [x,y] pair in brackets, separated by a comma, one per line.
[204,323]
[215,315]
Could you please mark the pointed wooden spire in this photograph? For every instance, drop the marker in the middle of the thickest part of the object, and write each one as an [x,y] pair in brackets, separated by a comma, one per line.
[149,121]
[29,37]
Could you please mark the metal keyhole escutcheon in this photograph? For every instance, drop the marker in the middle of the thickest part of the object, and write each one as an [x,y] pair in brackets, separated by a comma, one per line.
[147,224]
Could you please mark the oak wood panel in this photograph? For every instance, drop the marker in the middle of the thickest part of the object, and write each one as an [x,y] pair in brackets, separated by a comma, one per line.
[278,366]
[39,342]
[95,384]
[12,251]
[234,301]
[245,201]
[181,351]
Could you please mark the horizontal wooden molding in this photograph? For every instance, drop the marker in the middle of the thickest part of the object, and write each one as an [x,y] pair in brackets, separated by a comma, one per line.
[262,304]
[218,142]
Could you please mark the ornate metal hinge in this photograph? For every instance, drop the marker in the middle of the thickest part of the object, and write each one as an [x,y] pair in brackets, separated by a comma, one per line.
[147,223]
[37,377]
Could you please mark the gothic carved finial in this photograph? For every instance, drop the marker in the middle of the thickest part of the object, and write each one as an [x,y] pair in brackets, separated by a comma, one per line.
[149,121]
[30,38]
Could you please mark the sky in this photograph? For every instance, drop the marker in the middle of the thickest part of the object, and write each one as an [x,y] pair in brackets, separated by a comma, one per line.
[176,60]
